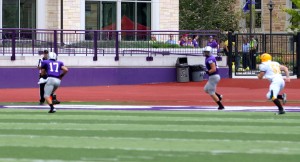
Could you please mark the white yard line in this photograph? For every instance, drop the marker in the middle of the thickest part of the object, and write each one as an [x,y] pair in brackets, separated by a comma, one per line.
[174,108]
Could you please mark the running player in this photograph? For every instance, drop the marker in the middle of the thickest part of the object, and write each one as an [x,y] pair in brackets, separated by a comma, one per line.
[43,80]
[52,68]
[272,71]
[214,77]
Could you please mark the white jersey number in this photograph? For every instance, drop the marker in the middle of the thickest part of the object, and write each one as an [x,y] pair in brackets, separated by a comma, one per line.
[53,65]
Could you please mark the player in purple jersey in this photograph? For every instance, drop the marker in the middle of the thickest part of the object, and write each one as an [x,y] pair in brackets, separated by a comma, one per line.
[214,77]
[43,80]
[52,68]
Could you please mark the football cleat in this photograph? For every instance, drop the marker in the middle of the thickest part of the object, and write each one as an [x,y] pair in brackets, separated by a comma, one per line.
[55,102]
[221,108]
[280,112]
[52,111]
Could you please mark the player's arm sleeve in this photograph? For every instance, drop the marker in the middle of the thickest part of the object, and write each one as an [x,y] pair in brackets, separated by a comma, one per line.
[213,67]
[39,64]
[43,70]
[43,65]
[262,70]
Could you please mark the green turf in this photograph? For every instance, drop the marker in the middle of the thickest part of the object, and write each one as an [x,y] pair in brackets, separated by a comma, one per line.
[148,136]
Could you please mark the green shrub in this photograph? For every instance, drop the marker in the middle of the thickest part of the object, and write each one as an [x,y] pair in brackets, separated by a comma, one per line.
[124,44]
[277,59]
[164,45]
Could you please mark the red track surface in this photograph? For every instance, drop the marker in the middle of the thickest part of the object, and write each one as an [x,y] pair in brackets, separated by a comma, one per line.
[248,92]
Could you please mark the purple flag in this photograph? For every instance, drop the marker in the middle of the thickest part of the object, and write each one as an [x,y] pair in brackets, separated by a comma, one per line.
[246,8]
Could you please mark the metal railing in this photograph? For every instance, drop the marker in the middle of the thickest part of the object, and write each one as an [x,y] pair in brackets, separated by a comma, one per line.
[24,42]
[29,42]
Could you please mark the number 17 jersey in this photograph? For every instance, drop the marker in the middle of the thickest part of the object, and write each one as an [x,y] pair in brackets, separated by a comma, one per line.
[52,67]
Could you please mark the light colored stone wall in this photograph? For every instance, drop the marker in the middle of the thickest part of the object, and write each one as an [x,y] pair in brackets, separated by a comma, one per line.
[71,14]
[169,15]
[71,17]
[279,17]
[53,14]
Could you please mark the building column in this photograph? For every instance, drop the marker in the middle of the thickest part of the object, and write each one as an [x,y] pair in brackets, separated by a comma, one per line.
[155,15]
[82,15]
[41,14]
[1,9]
[119,16]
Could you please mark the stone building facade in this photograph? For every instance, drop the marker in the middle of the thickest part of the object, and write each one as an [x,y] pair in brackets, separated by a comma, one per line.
[280,19]
[159,14]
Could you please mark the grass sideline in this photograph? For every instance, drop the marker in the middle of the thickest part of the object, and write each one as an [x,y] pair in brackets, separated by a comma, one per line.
[148,136]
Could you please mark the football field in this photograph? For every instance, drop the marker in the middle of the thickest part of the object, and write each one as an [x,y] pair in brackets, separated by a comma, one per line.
[33,135]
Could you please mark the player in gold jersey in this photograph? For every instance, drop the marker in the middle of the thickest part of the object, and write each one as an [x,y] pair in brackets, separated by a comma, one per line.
[271,70]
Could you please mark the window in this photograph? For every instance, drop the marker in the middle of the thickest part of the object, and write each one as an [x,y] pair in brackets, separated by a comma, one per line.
[135,0]
[136,16]
[19,14]
[258,20]
[257,13]
[294,6]
[297,9]
[258,4]
[102,15]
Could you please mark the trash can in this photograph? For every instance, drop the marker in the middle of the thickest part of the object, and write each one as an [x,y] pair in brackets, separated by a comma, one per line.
[197,72]
[182,69]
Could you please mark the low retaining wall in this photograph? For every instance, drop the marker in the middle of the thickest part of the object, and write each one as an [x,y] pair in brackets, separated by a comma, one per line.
[24,77]
[83,71]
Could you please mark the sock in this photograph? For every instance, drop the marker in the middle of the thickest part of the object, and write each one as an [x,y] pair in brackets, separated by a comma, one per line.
[53,96]
[220,104]
[278,104]
[279,97]
[51,106]
[219,96]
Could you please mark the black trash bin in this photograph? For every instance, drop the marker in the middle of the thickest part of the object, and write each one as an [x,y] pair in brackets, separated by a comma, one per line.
[182,69]
[197,72]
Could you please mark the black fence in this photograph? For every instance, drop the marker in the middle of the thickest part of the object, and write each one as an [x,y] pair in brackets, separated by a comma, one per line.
[246,50]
